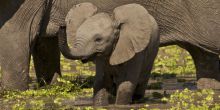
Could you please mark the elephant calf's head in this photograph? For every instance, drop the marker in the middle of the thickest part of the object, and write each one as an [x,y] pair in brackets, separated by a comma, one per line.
[120,36]
[97,34]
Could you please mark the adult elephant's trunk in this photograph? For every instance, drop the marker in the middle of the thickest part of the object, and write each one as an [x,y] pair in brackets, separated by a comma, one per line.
[67,52]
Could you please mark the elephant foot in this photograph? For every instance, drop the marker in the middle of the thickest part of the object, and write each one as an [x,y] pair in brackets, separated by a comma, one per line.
[137,97]
[15,84]
[208,83]
[139,91]
[124,93]
[207,68]
[101,98]
[54,80]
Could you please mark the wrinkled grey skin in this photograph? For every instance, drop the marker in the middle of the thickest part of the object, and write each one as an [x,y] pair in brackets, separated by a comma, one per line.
[30,27]
[123,48]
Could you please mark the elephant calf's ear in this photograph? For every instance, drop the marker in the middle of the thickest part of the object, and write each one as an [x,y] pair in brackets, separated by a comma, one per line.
[135,34]
[77,15]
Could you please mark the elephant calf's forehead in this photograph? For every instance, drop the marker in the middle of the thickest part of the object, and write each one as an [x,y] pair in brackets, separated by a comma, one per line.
[98,22]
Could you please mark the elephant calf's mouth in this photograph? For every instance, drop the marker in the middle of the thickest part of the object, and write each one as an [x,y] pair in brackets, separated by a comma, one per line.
[88,58]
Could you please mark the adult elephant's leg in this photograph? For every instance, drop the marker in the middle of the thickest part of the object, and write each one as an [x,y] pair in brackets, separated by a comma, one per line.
[46,58]
[17,35]
[15,64]
[207,68]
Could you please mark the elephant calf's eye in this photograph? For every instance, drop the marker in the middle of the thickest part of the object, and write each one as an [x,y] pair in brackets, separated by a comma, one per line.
[98,39]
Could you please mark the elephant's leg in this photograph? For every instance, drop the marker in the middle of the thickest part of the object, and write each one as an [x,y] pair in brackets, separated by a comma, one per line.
[125,92]
[46,58]
[139,91]
[15,67]
[146,72]
[129,81]
[102,89]
[101,97]
[207,68]
[219,64]
[103,85]
[141,86]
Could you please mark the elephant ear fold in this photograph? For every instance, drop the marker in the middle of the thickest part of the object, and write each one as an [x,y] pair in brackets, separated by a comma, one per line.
[76,16]
[136,29]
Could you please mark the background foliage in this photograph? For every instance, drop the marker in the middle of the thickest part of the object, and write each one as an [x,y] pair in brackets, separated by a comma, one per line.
[175,60]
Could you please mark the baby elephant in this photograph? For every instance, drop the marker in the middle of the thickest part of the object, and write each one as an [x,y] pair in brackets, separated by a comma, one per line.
[123,46]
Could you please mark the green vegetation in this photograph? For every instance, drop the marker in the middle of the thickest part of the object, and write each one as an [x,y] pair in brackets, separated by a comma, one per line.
[190,100]
[173,60]
[77,82]
[38,98]
[47,97]
[193,100]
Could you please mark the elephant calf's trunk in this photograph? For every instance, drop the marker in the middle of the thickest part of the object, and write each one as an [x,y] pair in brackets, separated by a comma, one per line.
[63,45]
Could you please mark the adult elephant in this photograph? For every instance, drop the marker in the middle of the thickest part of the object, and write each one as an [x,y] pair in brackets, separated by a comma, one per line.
[192,25]
[30,27]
